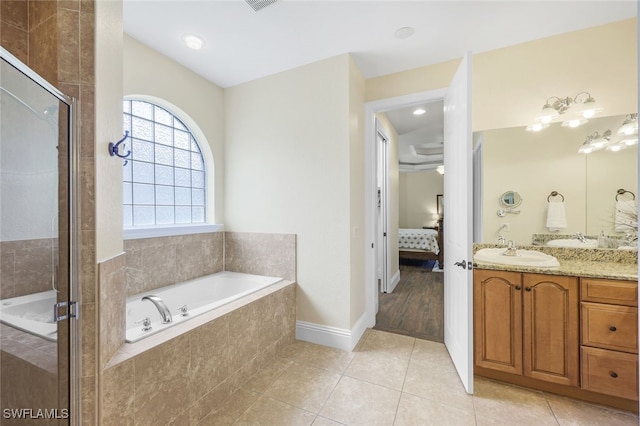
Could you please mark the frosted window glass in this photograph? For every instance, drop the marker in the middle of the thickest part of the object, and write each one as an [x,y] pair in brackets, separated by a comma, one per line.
[197,179]
[164,215]
[127,193]
[164,175]
[164,180]
[143,194]
[142,151]
[197,214]
[163,134]
[197,197]
[142,109]
[142,172]
[143,215]
[183,196]
[183,177]
[183,214]
[127,215]
[181,158]
[196,162]
[141,129]
[164,155]
[164,195]
[163,116]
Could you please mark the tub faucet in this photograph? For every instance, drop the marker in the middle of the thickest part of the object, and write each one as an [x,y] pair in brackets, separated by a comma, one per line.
[162,308]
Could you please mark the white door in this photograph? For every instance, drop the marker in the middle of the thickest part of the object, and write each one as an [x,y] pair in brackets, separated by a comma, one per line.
[383,209]
[458,228]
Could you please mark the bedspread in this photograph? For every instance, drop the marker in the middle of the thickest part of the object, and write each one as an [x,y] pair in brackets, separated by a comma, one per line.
[422,239]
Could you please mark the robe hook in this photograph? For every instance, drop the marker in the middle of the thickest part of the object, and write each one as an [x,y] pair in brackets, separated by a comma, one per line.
[114,148]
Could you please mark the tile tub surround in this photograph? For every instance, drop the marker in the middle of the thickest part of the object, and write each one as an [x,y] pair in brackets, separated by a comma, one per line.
[273,255]
[183,373]
[391,380]
[26,266]
[590,263]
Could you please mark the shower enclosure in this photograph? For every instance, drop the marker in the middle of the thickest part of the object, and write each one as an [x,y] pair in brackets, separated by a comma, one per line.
[37,249]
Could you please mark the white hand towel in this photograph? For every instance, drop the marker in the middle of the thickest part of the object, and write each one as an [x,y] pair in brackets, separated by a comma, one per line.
[626,216]
[556,216]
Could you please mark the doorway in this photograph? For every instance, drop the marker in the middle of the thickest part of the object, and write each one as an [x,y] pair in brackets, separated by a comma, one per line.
[38,273]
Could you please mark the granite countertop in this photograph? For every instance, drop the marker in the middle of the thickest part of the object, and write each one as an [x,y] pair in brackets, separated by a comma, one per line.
[588,263]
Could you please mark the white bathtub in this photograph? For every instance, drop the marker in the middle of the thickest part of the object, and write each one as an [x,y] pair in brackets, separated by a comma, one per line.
[199,295]
[32,313]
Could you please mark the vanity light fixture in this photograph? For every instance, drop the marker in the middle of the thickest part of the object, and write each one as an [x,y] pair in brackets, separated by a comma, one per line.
[582,106]
[193,41]
[629,126]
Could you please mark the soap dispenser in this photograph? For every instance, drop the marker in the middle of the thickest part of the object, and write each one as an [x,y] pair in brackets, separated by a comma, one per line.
[602,240]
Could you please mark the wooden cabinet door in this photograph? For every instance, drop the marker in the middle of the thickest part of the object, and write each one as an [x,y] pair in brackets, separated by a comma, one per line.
[498,320]
[551,328]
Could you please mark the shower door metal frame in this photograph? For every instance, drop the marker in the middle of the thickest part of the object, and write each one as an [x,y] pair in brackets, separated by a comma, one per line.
[72,187]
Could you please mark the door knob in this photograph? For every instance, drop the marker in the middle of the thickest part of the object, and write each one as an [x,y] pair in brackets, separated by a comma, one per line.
[462,264]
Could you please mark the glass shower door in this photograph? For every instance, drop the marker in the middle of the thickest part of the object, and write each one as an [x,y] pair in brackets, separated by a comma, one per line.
[36,247]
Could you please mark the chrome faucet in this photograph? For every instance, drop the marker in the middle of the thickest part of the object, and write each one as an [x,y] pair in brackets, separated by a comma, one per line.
[162,308]
[581,237]
[511,249]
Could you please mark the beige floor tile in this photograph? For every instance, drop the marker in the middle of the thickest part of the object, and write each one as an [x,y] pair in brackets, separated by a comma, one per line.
[414,411]
[362,339]
[382,341]
[572,412]
[430,352]
[317,356]
[501,403]
[304,387]
[438,382]
[231,410]
[322,421]
[265,377]
[354,402]
[269,412]
[381,368]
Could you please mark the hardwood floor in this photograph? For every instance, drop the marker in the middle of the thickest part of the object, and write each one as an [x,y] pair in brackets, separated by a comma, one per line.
[416,306]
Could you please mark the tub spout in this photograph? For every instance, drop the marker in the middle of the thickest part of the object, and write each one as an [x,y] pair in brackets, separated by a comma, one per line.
[162,308]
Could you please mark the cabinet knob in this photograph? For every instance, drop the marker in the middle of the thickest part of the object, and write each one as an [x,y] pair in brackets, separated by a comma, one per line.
[613,374]
[518,287]
[527,289]
[613,328]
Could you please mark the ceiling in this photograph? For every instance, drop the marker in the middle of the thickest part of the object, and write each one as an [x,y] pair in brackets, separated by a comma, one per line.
[243,45]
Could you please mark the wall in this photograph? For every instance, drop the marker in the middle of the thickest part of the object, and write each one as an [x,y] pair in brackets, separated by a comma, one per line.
[194,99]
[418,192]
[288,165]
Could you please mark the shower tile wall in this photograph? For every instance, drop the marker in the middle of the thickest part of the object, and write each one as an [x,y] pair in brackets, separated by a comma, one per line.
[56,39]
[26,266]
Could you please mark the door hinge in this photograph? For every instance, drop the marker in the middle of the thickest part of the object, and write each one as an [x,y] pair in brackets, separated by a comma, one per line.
[70,310]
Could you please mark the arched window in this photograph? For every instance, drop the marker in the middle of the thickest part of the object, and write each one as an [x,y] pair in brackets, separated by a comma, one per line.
[164,178]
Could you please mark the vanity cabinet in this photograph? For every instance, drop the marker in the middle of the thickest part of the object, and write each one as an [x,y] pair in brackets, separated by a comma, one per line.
[609,338]
[527,324]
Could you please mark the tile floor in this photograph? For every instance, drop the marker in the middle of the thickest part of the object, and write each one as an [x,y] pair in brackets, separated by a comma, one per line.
[391,379]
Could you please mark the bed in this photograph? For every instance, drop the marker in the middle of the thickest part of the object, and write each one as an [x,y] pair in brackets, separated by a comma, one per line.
[421,244]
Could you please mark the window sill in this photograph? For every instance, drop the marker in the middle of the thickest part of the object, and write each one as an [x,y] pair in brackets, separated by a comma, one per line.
[168,231]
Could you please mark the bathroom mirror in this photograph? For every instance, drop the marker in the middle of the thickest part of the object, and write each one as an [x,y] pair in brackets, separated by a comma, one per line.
[546,161]
[510,199]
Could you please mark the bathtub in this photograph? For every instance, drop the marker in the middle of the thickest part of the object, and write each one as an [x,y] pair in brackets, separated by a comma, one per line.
[32,313]
[198,295]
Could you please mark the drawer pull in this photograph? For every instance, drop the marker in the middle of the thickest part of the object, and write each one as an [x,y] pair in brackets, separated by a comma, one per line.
[613,374]
[518,287]
[613,328]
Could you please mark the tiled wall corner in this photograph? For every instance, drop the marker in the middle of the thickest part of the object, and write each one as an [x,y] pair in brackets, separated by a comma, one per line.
[14,28]
[156,262]
[262,254]
[112,321]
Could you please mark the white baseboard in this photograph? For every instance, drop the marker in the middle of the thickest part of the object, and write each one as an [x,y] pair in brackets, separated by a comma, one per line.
[339,338]
[395,279]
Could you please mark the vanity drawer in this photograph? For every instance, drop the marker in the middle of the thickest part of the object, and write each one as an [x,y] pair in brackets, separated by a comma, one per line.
[610,327]
[609,291]
[610,372]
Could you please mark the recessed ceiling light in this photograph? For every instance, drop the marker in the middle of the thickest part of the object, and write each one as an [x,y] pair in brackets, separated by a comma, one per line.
[404,32]
[419,111]
[193,42]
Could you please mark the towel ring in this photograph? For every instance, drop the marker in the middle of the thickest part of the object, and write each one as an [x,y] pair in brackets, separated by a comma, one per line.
[623,191]
[555,194]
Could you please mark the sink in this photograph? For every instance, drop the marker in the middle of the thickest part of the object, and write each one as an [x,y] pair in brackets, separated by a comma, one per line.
[523,258]
[573,243]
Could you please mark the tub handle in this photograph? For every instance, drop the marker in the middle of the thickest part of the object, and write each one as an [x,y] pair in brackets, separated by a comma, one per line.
[183,311]
[146,323]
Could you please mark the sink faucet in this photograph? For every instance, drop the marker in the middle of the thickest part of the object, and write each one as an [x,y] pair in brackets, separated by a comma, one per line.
[511,249]
[580,237]
[162,308]
[501,239]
